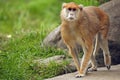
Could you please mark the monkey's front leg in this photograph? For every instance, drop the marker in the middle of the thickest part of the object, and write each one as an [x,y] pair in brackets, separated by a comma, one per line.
[74,53]
[85,61]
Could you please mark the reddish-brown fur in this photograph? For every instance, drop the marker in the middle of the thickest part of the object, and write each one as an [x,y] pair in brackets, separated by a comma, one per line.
[92,21]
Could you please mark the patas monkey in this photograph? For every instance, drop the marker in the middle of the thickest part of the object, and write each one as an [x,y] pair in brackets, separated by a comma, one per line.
[84,26]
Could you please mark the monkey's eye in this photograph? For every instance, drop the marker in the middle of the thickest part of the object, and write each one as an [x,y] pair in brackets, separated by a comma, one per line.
[74,9]
[69,9]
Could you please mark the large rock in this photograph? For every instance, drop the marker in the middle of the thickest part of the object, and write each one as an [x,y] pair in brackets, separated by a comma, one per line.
[54,39]
[112,8]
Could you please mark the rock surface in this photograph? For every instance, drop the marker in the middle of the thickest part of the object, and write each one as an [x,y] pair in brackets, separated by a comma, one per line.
[70,67]
[54,39]
[101,74]
[57,59]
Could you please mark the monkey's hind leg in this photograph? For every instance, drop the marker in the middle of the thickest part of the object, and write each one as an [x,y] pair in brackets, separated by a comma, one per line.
[106,53]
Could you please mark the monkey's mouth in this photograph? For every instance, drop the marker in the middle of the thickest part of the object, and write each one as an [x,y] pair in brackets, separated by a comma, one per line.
[71,18]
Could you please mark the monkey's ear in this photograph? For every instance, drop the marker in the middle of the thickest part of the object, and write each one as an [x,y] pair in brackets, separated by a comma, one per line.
[81,7]
[63,5]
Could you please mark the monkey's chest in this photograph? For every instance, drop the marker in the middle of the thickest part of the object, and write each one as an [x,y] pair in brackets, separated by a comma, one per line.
[71,34]
[74,32]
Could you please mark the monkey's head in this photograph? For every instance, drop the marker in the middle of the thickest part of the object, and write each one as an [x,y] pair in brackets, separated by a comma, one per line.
[71,11]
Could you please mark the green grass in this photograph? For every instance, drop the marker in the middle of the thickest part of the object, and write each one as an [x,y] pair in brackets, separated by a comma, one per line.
[28,22]
[18,54]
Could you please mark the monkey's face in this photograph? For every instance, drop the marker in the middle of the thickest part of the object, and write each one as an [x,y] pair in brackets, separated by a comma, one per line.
[71,11]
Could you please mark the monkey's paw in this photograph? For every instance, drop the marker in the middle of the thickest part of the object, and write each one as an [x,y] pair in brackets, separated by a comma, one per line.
[108,67]
[92,69]
[79,75]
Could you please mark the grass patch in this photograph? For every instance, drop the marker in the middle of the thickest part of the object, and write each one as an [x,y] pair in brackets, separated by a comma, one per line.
[17,56]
